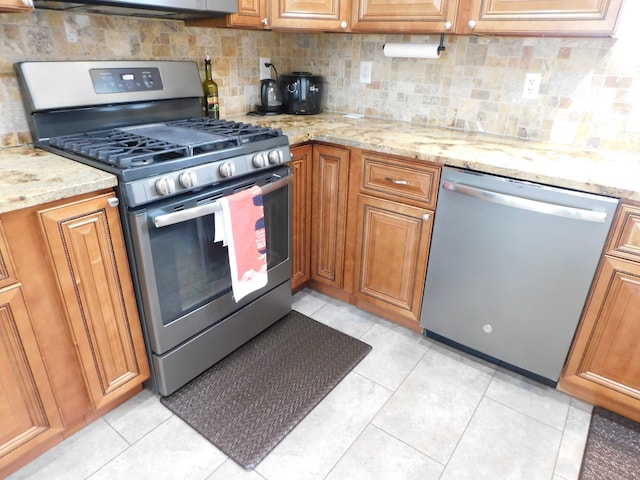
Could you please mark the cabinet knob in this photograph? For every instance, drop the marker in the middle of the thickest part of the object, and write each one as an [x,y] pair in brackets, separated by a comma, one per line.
[426,217]
[471,24]
[447,25]
[113,202]
[265,21]
[343,24]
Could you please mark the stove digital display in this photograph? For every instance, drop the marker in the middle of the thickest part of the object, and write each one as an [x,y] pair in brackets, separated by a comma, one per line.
[120,80]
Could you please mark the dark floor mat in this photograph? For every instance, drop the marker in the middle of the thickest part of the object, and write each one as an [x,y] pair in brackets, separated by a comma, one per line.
[613,448]
[248,402]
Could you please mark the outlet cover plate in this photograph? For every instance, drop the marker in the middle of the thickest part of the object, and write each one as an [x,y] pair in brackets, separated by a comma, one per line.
[365,72]
[531,85]
[265,72]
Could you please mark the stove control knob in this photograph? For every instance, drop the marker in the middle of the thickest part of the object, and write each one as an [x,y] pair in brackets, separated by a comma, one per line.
[275,156]
[260,160]
[227,169]
[165,185]
[188,179]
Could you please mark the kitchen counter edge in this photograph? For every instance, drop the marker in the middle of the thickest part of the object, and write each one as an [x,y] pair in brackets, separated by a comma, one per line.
[613,174]
[30,176]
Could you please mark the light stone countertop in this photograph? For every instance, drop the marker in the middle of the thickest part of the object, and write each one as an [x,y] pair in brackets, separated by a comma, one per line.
[30,176]
[612,174]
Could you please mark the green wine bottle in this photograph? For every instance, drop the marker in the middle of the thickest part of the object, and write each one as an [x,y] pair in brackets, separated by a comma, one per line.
[211,105]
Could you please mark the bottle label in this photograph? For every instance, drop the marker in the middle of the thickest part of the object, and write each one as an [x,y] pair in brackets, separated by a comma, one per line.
[213,108]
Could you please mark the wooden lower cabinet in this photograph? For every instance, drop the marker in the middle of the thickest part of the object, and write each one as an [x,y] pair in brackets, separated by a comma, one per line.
[330,195]
[392,248]
[301,214]
[87,247]
[16,5]
[72,346]
[29,417]
[603,367]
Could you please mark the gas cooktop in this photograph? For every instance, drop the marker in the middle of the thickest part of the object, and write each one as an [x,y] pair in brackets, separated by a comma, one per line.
[141,145]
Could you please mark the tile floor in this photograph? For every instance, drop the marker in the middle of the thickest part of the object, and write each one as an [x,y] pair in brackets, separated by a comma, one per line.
[412,409]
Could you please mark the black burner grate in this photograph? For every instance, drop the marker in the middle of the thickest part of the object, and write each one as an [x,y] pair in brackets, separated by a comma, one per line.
[120,148]
[131,147]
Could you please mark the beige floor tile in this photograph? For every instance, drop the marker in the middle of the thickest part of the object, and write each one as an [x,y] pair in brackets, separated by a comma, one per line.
[503,444]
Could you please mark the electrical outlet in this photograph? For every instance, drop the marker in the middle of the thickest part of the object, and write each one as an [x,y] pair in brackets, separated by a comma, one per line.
[531,85]
[265,72]
[365,72]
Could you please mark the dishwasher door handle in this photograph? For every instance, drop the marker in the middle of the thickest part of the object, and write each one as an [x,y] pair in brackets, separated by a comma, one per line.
[526,203]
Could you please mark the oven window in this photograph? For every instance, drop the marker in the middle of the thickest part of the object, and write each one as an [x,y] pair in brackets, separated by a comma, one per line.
[192,270]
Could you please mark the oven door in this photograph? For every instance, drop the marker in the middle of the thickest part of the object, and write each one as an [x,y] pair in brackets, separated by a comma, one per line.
[184,277]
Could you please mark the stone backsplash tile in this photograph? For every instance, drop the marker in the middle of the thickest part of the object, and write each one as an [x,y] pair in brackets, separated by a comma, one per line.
[589,94]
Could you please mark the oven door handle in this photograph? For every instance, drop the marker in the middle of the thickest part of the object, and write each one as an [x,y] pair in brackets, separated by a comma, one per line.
[209,208]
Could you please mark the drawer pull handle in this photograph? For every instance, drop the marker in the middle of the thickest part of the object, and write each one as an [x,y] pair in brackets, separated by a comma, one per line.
[397,182]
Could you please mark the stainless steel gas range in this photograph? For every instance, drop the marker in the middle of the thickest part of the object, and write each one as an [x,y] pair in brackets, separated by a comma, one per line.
[141,121]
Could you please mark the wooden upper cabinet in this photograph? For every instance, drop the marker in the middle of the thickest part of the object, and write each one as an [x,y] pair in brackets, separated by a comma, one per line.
[251,14]
[411,16]
[87,247]
[16,5]
[319,15]
[549,17]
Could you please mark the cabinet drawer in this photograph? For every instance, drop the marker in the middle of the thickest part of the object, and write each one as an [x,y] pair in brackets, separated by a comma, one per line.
[397,179]
[7,271]
[625,238]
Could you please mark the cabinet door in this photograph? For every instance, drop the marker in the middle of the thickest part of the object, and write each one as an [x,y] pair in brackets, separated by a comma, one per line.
[7,270]
[251,14]
[329,214]
[16,5]
[392,247]
[28,411]
[561,17]
[316,15]
[87,247]
[604,363]
[403,15]
[301,165]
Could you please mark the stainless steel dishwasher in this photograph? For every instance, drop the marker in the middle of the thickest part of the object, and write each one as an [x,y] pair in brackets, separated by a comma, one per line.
[510,267]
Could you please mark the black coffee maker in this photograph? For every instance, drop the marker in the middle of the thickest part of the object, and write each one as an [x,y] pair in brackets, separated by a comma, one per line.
[270,95]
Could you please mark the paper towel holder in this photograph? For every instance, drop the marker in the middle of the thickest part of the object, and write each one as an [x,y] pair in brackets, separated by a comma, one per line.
[441,47]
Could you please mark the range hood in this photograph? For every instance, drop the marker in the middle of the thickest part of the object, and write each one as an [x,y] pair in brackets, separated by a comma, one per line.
[170,9]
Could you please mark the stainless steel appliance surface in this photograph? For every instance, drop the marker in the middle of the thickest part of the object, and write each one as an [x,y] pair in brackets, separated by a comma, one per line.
[169,9]
[510,267]
[142,122]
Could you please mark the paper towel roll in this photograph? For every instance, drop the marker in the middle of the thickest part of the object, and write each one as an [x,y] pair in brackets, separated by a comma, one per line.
[411,50]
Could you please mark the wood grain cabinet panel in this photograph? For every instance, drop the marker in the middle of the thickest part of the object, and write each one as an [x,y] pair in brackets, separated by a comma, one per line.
[396,179]
[319,15]
[558,17]
[87,247]
[604,363]
[16,6]
[329,214]
[624,241]
[301,257]
[28,411]
[392,246]
[7,270]
[410,16]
